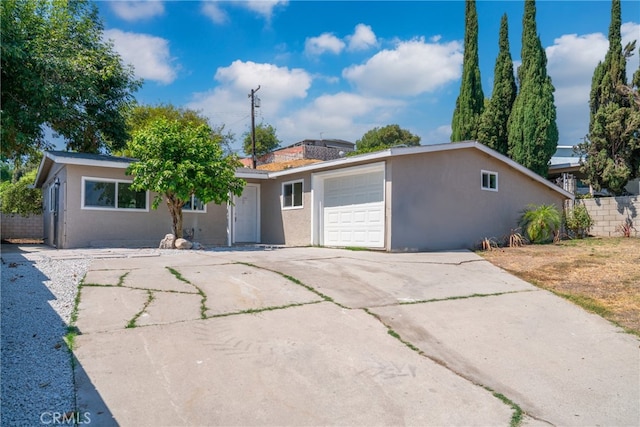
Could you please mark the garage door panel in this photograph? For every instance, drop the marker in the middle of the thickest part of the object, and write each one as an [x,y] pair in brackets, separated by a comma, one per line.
[355,225]
[358,189]
[353,212]
[360,217]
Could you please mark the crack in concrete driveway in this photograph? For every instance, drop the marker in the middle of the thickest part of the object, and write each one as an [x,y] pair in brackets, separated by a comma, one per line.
[303,336]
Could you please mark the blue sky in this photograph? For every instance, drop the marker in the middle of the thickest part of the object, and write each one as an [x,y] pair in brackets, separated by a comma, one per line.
[335,69]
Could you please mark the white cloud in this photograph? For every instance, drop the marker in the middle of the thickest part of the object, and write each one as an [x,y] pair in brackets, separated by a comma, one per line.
[148,54]
[570,63]
[278,83]
[342,115]
[136,10]
[214,12]
[412,68]
[228,103]
[264,7]
[363,38]
[326,42]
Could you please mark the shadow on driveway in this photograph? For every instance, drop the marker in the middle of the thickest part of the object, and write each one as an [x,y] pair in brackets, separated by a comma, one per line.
[36,369]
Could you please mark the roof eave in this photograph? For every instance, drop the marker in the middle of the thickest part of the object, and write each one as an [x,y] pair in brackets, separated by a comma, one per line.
[397,151]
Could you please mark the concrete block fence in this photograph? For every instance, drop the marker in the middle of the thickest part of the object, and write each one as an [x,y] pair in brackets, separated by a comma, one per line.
[20,227]
[608,213]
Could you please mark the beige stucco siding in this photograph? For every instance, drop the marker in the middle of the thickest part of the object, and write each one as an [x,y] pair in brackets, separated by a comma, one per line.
[437,201]
[285,226]
[89,227]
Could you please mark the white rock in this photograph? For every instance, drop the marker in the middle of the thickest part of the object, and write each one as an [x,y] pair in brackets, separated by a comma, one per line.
[183,244]
[167,242]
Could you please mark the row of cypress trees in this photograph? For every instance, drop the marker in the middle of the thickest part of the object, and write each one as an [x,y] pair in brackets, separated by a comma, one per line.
[520,124]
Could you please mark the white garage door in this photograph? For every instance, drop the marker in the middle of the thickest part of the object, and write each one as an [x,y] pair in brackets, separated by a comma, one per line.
[353,213]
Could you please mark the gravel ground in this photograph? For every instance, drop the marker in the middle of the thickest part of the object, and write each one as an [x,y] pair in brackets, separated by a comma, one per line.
[36,377]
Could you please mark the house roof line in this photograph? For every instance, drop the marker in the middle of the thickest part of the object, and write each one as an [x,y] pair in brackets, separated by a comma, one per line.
[83,159]
[403,151]
[102,160]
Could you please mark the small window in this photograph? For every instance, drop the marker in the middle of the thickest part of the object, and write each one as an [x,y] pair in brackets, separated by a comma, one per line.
[292,195]
[52,197]
[194,205]
[112,194]
[489,181]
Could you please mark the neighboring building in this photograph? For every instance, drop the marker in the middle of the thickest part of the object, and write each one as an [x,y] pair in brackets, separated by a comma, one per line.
[433,197]
[317,149]
[564,170]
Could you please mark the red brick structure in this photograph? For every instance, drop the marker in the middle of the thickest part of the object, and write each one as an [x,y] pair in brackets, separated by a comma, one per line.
[319,149]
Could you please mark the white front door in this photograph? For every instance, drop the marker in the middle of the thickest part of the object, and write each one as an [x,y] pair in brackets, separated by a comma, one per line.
[246,215]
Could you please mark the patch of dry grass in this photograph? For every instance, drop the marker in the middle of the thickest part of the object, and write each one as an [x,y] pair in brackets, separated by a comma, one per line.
[600,274]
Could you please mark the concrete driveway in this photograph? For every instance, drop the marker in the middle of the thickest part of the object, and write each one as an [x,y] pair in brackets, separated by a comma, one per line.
[311,336]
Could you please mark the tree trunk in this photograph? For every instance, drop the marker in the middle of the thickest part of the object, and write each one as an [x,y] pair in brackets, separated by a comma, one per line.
[175,209]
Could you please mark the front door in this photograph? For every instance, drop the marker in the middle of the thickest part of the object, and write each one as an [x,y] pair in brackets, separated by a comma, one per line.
[246,215]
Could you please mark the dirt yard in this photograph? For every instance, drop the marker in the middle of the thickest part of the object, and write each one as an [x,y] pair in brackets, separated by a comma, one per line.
[600,274]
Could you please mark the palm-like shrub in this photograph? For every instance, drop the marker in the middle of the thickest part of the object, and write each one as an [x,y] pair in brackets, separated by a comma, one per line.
[541,223]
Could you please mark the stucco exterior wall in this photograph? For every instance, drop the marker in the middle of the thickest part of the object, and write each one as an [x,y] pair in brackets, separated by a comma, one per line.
[88,227]
[285,226]
[437,201]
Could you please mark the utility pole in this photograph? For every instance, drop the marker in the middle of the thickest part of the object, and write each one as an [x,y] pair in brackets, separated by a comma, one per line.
[252,95]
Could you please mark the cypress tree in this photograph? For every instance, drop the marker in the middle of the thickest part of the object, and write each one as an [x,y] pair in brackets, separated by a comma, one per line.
[533,132]
[613,144]
[470,102]
[492,130]
[611,72]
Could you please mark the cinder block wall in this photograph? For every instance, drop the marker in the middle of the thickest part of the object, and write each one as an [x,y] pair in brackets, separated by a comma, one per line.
[20,227]
[608,213]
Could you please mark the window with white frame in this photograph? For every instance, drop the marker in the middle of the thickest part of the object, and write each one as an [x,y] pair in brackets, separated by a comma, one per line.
[292,195]
[489,180]
[52,197]
[98,193]
[194,205]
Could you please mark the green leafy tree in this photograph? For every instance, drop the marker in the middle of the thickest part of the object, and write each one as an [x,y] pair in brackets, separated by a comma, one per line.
[179,159]
[492,129]
[470,102]
[266,140]
[139,116]
[6,171]
[532,128]
[612,146]
[541,223]
[19,197]
[57,71]
[385,137]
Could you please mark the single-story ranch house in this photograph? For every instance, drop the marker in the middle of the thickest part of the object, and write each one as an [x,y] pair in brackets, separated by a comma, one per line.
[431,197]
